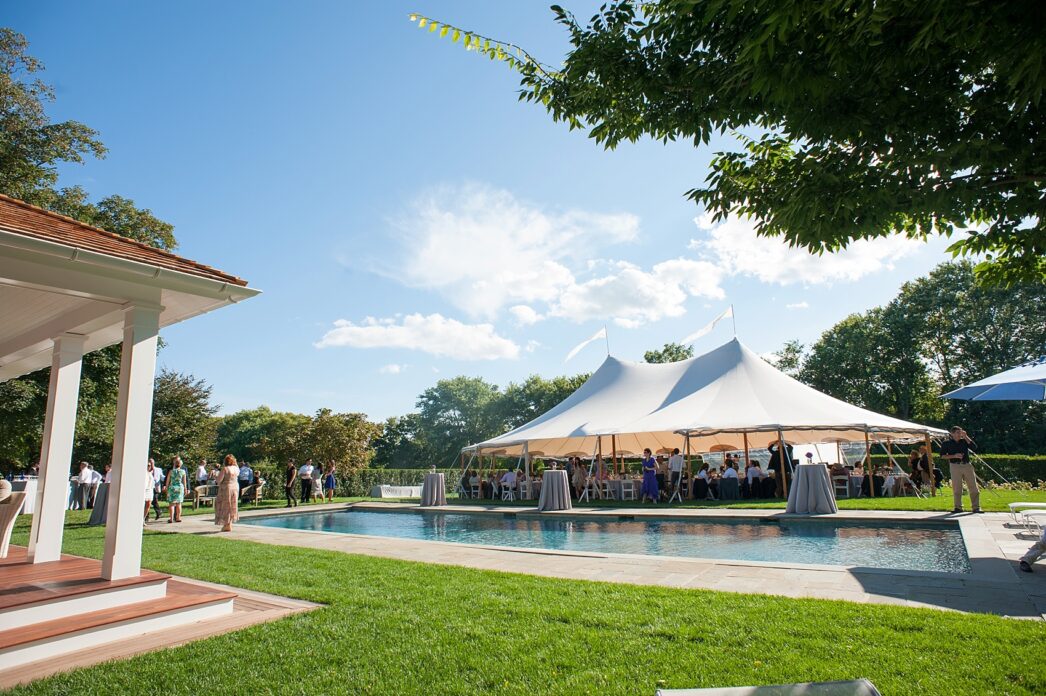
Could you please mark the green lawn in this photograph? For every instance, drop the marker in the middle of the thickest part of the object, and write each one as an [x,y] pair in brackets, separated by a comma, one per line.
[394,627]
[991,500]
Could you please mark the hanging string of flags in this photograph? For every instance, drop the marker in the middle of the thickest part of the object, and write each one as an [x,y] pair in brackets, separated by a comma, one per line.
[707,328]
[602,333]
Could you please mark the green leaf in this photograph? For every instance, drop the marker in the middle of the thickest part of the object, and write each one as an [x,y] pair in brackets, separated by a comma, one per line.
[455,36]
[422,22]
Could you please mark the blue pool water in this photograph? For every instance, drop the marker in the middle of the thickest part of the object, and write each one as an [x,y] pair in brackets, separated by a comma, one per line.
[821,542]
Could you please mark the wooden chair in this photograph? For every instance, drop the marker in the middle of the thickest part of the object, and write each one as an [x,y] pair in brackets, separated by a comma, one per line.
[204,495]
[253,494]
[9,509]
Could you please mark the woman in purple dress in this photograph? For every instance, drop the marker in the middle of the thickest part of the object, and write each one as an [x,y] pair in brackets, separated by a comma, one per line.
[649,488]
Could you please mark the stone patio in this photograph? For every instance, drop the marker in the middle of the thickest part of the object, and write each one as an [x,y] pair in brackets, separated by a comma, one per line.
[993,586]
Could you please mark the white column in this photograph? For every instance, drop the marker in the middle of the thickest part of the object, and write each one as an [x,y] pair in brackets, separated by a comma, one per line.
[56,450]
[134,408]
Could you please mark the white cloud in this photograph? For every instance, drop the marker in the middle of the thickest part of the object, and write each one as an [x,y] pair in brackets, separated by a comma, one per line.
[798,305]
[434,334]
[532,346]
[634,297]
[735,247]
[484,249]
[525,315]
[392,369]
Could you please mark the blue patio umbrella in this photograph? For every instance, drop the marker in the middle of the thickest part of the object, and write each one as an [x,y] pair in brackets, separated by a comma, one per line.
[1026,382]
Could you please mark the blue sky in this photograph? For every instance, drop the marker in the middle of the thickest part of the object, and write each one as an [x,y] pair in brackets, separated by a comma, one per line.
[405,216]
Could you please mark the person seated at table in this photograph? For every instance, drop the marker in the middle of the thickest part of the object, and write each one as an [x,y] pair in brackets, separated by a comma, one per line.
[579,478]
[838,469]
[706,481]
[877,480]
[508,480]
[919,464]
[488,486]
[729,472]
[473,480]
[463,484]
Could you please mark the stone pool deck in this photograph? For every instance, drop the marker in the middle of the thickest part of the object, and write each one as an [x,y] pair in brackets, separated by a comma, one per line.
[993,543]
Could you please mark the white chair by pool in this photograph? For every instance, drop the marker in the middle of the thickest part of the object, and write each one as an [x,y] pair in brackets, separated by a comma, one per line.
[1034,520]
[507,493]
[1015,508]
[608,492]
[591,491]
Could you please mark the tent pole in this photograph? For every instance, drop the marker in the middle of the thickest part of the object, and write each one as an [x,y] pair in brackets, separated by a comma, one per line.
[869,470]
[689,469]
[748,461]
[929,463]
[613,452]
[786,462]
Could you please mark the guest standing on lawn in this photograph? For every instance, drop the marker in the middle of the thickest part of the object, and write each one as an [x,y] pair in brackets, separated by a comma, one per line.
[305,476]
[649,488]
[957,452]
[225,510]
[150,489]
[289,476]
[175,490]
[328,482]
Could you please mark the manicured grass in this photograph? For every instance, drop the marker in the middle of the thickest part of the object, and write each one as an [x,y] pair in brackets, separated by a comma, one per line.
[394,627]
[993,500]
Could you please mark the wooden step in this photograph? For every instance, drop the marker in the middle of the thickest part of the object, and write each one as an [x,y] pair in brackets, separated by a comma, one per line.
[23,584]
[180,596]
[184,603]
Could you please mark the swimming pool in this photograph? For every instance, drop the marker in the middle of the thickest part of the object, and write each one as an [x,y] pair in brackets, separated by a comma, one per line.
[885,545]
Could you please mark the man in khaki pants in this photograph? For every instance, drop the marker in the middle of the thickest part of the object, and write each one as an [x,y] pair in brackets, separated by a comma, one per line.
[957,452]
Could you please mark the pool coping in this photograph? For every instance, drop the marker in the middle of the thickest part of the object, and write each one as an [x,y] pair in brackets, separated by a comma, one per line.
[992,586]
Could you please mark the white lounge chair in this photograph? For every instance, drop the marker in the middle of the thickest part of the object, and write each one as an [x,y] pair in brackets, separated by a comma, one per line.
[1017,507]
[9,509]
[1034,520]
[857,687]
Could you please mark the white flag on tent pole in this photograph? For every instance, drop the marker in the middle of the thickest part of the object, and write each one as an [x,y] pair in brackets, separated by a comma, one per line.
[709,326]
[602,333]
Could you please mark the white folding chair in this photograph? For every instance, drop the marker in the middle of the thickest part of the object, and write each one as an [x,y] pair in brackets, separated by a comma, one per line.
[608,491]
[507,493]
[628,490]
[841,486]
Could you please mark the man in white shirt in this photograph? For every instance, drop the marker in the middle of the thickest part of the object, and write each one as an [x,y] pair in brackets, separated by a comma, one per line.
[305,476]
[83,484]
[675,468]
[730,472]
[92,486]
[246,476]
[158,482]
[201,473]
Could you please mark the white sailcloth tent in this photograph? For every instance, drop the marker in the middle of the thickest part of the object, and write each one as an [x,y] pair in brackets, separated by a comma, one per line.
[728,397]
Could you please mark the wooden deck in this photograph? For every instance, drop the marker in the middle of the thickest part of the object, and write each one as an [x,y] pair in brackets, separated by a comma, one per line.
[22,583]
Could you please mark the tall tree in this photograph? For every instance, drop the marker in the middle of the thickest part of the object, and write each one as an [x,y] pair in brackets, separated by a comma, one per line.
[458,412]
[402,445]
[670,352]
[262,434]
[345,438]
[183,418]
[876,117]
[32,147]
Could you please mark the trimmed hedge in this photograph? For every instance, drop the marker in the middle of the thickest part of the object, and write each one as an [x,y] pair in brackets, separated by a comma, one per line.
[1012,467]
[356,484]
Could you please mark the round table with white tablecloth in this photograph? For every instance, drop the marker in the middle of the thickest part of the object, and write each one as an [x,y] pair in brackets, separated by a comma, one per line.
[27,486]
[811,491]
[555,491]
[433,490]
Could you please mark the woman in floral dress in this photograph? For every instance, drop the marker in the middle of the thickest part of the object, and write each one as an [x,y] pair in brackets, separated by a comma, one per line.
[175,490]
[225,510]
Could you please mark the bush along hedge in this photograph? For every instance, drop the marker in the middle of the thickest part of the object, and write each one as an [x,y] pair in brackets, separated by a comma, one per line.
[1009,467]
[355,484]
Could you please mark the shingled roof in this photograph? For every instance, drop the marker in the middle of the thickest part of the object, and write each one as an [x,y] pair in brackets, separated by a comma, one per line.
[22,218]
